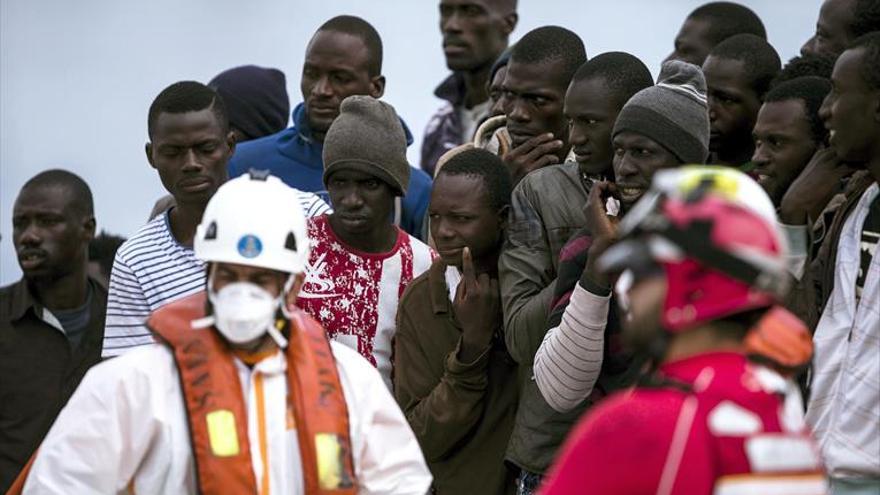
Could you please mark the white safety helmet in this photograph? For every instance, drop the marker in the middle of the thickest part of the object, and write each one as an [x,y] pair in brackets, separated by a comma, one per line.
[254,220]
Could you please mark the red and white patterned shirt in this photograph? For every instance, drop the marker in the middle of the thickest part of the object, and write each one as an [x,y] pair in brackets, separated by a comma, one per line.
[354,294]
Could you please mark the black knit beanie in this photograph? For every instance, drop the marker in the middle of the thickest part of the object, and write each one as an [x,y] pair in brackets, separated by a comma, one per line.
[255,98]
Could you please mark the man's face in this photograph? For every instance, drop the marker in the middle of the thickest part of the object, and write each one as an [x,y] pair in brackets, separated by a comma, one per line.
[474,32]
[50,233]
[272,281]
[733,104]
[832,29]
[850,110]
[461,215]
[591,109]
[534,95]
[337,65]
[636,158]
[692,43]
[361,202]
[190,151]
[783,145]
[641,324]
[496,92]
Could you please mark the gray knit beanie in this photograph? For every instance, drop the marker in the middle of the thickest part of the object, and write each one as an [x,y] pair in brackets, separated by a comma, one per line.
[367,136]
[673,112]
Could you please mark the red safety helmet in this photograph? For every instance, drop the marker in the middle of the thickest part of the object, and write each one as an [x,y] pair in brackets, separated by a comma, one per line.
[713,232]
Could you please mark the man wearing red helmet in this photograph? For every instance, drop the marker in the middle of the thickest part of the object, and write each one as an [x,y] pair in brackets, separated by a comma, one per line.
[702,264]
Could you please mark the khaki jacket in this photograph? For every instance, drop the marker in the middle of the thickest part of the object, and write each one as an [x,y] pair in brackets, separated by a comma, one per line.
[462,413]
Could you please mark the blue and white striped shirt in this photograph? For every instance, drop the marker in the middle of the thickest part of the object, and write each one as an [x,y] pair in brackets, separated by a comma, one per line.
[152,269]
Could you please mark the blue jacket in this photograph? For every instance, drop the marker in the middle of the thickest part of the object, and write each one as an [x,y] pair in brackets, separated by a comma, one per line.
[295,158]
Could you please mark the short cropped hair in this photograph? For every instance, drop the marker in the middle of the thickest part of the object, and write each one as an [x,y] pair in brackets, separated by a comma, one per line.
[550,44]
[870,70]
[811,90]
[489,168]
[79,190]
[727,19]
[500,63]
[866,15]
[359,28]
[624,74]
[761,61]
[811,64]
[187,96]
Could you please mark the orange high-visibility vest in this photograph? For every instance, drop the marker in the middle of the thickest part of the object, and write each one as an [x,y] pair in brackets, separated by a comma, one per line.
[217,412]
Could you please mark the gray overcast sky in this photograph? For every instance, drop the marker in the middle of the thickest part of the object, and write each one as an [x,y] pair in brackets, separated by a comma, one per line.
[77,77]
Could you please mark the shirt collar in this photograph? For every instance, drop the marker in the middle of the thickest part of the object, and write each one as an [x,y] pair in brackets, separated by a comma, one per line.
[301,123]
[452,89]
[693,368]
[23,300]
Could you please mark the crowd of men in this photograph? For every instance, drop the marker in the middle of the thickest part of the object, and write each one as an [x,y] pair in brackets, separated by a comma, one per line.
[594,282]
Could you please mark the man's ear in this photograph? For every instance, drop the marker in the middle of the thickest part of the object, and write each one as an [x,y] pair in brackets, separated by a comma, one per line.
[510,21]
[230,142]
[290,297]
[377,86]
[89,225]
[148,149]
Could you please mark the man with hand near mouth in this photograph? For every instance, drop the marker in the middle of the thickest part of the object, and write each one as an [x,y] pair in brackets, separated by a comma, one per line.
[475,34]
[52,320]
[361,262]
[705,270]
[546,210]
[546,205]
[541,66]
[738,74]
[788,132]
[843,273]
[660,127]
[343,58]
[453,376]
[190,145]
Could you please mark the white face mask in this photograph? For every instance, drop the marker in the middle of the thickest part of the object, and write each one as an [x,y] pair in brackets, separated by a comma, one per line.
[243,312]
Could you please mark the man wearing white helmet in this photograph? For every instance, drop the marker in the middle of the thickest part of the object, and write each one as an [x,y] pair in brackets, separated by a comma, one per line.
[245,394]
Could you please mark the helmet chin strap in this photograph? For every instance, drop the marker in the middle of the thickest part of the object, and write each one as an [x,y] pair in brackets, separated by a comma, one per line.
[272,330]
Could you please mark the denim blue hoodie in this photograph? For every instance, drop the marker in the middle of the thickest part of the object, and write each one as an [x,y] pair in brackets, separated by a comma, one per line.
[294,157]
